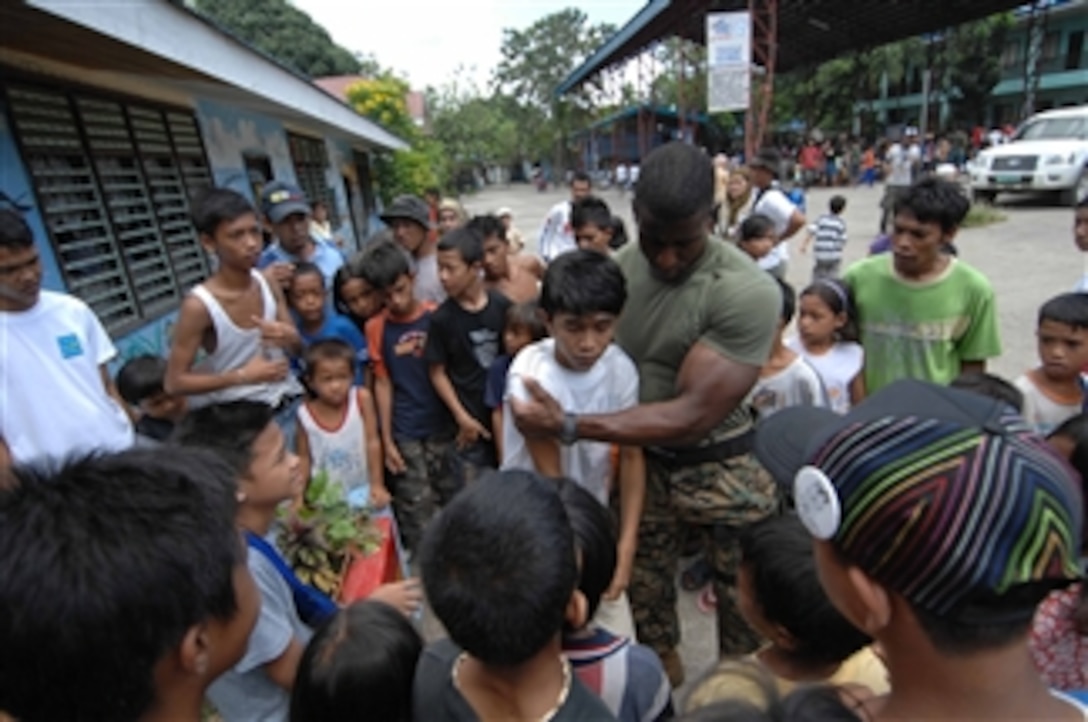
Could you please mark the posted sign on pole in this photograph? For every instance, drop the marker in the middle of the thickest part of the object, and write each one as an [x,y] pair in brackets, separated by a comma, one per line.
[729,61]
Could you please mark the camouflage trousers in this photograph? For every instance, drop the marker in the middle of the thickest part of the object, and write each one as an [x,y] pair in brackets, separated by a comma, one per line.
[426,484]
[715,501]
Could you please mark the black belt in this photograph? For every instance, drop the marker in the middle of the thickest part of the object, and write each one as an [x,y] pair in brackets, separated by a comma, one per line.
[692,455]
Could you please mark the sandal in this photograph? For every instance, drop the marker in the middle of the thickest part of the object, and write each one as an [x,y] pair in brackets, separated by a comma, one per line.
[697,575]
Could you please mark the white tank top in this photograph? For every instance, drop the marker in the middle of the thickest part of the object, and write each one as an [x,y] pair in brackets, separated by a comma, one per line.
[340,452]
[234,347]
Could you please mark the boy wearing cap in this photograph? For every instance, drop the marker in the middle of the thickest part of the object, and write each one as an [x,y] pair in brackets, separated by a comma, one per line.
[773,203]
[409,218]
[940,523]
[287,212]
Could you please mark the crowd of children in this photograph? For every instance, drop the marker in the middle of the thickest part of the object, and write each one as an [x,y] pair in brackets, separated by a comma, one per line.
[907,577]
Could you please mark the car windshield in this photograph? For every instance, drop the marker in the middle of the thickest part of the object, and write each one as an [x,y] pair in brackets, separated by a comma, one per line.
[1054,129]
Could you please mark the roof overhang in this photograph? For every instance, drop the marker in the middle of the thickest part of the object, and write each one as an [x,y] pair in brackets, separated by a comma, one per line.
[163,39]
[809,31]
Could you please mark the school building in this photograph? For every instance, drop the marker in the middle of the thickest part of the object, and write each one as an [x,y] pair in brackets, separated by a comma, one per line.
[1062,71]
[112,116]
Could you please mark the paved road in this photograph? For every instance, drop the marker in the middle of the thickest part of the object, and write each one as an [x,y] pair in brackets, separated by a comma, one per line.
[1029,257]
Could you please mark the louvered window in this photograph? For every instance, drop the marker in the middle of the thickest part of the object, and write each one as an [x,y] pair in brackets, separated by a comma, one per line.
[113,180]
[311,162]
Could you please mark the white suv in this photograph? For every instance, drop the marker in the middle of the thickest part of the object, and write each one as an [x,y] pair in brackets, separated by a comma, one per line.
[1049,152]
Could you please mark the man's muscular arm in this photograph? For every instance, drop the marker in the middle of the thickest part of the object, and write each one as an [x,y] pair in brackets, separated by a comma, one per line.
[709,387]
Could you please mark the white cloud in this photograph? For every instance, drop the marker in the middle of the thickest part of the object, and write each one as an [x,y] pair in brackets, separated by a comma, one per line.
[429,39]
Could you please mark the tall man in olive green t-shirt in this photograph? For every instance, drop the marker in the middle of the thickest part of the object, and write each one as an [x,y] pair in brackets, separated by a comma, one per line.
[699,324]
[922,313]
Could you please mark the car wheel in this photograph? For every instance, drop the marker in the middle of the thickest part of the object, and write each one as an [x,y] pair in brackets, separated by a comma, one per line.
[1079,191]
[987,197]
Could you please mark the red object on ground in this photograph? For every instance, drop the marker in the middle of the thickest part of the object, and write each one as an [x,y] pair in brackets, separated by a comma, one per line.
[367,573]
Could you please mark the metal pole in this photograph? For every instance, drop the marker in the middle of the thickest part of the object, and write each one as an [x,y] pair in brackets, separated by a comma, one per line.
[923,122]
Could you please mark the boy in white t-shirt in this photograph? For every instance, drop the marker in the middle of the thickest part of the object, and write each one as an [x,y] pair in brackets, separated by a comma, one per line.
[56,395]
[787,379]
[582,295]
[1054,391]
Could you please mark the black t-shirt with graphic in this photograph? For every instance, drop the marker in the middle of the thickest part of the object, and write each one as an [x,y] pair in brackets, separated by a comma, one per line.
[467,343]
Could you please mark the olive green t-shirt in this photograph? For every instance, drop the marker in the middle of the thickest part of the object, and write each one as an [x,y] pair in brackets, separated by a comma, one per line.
[726,302]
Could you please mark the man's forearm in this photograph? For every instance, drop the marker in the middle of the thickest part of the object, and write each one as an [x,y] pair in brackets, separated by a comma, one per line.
[677,422]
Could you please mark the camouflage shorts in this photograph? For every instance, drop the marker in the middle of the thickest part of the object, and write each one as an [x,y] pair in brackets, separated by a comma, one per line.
[715,501]
[426,484]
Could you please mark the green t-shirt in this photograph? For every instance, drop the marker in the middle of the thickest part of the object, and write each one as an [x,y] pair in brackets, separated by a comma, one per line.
[921,330]
[726,302]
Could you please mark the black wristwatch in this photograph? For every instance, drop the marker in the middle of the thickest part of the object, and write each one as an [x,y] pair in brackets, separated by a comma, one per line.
[568,432]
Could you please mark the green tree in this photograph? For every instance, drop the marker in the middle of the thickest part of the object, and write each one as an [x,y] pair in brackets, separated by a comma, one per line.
[382,99]
[975,51]
[287,34]
[472,128]
[534,61]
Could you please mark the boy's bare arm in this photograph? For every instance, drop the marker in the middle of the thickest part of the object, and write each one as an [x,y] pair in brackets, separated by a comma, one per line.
[496,426]
[383,395]
[632,498]
[283,670]
[373,445]
[545,455]
[469,429]
[193,321]
[290,340]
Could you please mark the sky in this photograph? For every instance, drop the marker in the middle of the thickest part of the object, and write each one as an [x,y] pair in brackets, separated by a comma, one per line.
[427,40]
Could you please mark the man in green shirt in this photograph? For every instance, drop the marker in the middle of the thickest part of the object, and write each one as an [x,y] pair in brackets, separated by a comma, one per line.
[699,323]
[923,314]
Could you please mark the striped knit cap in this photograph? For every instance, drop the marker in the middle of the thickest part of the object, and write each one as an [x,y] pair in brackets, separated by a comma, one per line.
[953,516]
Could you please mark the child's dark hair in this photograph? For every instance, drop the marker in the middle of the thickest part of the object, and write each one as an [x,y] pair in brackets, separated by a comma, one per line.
[837,204]
[580,176]
[756,225]
[583,281]
[347,272]
[467,242]
[777,553]
[305,268]
[219,205]
[229,429]
[487,226]
[590,209]
[1070,309]
[106,562]
[837,296]
[361,659]
[14,230]
[498,566]
[619,234]
[595,538]
[1075,429]
[935,200]
[381,264]
[327,349]
[990,385]
[526,315]
[789,300]
[141,378]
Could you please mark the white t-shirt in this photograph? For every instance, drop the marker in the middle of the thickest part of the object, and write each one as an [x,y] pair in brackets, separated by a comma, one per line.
[774,204]
[902,161]
[52,400]
[1042,412]
[796,385]
[837,367]
[556,236]
[611,385]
